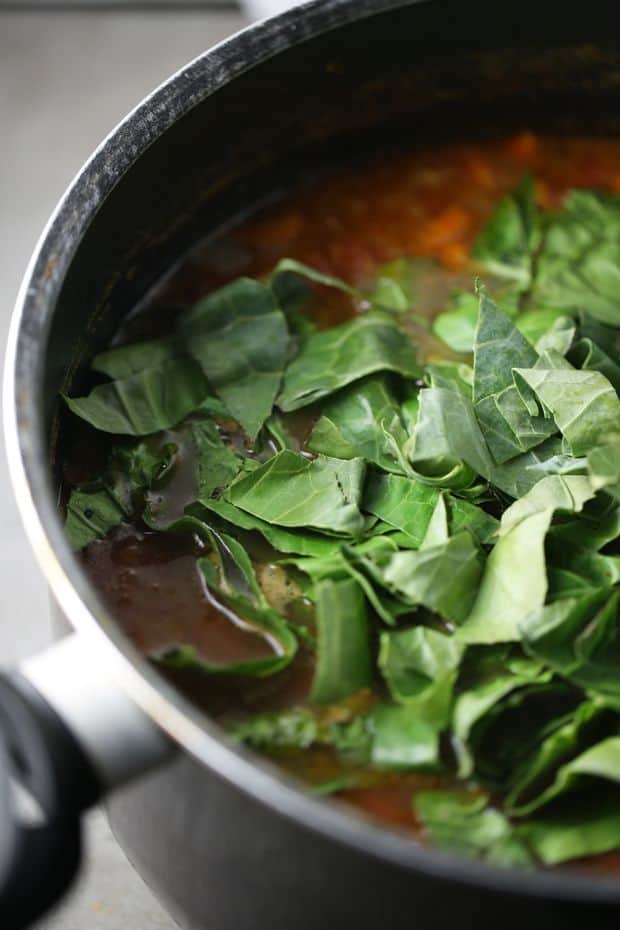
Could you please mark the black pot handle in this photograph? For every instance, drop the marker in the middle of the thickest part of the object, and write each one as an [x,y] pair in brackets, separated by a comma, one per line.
[68,735]
[46,782]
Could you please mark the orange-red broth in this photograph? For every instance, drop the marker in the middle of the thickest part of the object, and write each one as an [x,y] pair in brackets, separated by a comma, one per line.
[425,203]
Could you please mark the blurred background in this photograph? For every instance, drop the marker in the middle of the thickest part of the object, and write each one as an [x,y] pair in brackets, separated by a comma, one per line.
[68,73]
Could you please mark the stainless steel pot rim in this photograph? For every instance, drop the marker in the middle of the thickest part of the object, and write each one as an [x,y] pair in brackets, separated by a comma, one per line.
[25,444]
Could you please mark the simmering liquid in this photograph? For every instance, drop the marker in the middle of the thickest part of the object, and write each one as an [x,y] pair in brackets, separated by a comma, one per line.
[427,204]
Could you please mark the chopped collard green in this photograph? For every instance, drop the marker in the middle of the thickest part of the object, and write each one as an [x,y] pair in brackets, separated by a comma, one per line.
[451,527]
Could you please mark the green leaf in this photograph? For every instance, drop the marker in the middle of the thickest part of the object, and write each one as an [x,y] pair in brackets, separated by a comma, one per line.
[356,563]
[587,830]
[457,327]
[546,328]
[446,435]
[304,543]
[512,730]
[586,355]
[403,740]
[574,558]
[511,586]
[437,531]
[506,244]
[456,376]
[294,728]
[561,464]
[578,267]
[344,663]
[133,470]
[604,467]
[420,667]
[599,761]
[499,348]
[333,564]
[125,361]
[94,510]
[289,281]
[578,637]
[404,503]
[146,402]
[333,358]
[231,577]
[397,284]
[539,780]
[290,266]
[363,420]
[213,407]
[327,438]
[463,823]
[462,515]
[592,530]
[240,337]
[408,505]
[481,696]
[580,573]
[298,728]
[584,404]
[519,475]
[390,294]
[280,434]
[91,514]
[217,464]
[443,578]
[556,492]
[291,490]
[606,338]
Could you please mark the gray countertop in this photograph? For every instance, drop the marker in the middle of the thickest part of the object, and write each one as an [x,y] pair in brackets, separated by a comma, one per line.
[66,78]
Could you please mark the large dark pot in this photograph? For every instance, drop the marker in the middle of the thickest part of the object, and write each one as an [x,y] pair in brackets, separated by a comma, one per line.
[224,840]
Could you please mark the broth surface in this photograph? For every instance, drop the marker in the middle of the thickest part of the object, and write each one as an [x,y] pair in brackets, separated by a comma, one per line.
[426,204]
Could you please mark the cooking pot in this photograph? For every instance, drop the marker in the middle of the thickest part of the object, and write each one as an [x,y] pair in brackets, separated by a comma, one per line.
[225,840]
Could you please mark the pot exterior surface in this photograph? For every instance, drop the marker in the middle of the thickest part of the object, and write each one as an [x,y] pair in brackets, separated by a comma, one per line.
[220,860]
[265,111]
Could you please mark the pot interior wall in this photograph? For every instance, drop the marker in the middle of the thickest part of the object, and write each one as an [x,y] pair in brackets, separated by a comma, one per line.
[425,72]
